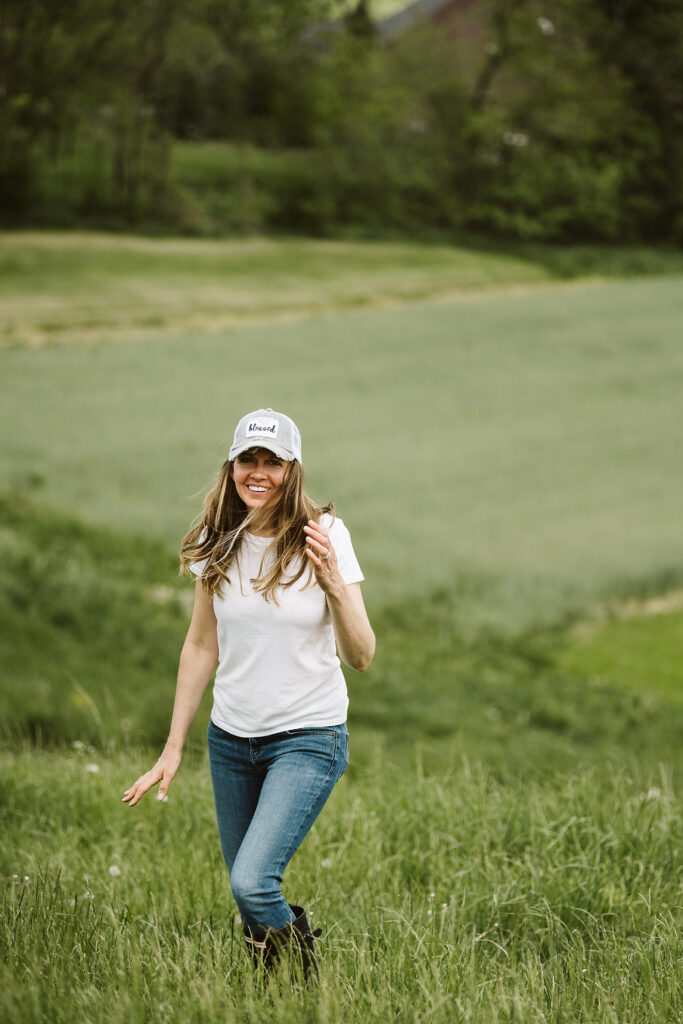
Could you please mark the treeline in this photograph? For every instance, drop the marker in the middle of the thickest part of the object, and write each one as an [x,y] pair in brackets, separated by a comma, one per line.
[513,118]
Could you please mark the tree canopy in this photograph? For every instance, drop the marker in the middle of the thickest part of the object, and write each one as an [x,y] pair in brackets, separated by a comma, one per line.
[517,118]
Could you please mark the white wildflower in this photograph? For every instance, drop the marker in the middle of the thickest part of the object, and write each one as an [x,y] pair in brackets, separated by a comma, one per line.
[87,895]
[654,793]
[546,26]
[78,745]
[429,913]
[444,908]
[515,138]
[27,880]
[115,871]
[326,863]
[92,768]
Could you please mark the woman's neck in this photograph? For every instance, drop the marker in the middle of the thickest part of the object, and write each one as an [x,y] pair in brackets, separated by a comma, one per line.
[261,523]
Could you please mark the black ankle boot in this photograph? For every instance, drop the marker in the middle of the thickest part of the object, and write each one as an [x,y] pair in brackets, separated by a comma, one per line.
[304,937]
[297,934]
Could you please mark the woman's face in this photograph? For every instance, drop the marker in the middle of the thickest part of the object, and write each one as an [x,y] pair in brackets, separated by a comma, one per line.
[259,476]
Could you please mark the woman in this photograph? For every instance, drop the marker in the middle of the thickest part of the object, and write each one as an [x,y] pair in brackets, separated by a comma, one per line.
[278,587]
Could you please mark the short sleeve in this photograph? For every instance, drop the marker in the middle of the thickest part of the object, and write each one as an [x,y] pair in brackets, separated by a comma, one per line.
[346,557]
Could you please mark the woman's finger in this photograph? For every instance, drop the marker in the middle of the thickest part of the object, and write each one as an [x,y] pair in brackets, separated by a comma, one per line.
[323,565]
[320,541]
[140,787]
[316,535]
[164,784]
[322,569]
[314,558]
[319,545]
[313,527]
[132,791]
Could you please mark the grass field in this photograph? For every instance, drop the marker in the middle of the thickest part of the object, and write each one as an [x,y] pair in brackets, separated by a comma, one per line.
[505,846]
[523,449]
[61,288]
[619,651]
[456,898]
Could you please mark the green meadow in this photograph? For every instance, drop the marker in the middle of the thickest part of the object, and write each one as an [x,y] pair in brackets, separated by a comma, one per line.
[501,432]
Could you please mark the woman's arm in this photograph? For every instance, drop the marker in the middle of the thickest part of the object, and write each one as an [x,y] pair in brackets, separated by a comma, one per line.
[352,629]
[197,662]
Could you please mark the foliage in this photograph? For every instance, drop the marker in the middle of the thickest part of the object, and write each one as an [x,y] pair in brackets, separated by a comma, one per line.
[643,44]
[516,125]
[79,95]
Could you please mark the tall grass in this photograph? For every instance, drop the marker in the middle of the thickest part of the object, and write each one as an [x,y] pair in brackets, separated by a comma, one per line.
[448,897]
[505,845]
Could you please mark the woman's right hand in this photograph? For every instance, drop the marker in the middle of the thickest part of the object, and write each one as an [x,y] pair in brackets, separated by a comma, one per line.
[163,772]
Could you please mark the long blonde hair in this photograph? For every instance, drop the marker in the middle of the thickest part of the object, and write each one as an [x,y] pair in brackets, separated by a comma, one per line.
[219,530]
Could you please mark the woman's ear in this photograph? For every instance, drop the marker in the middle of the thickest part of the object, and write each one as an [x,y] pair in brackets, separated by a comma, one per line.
[230,472]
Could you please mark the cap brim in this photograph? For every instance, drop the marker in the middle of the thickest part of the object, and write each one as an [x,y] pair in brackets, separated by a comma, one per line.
[281,453]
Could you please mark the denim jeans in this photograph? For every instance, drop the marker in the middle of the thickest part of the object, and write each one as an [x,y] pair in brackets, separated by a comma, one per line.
[268,792]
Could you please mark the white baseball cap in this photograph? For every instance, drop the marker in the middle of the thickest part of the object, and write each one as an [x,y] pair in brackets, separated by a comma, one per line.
[266,428]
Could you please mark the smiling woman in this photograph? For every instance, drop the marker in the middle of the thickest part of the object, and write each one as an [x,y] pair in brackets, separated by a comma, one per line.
[278,741]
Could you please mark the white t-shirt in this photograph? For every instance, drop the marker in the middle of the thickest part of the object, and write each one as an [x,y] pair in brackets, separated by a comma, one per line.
[277,663]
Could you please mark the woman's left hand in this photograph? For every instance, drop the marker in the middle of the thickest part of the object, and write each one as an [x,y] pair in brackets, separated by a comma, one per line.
[322,556]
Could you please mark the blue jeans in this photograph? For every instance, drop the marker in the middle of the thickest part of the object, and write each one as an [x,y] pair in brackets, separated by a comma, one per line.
[268,792]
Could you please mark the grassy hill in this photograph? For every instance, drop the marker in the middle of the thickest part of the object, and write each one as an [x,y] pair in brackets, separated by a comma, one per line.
[505,845]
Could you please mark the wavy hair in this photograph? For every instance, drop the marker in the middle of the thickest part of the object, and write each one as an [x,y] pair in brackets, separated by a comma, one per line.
[219,529]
